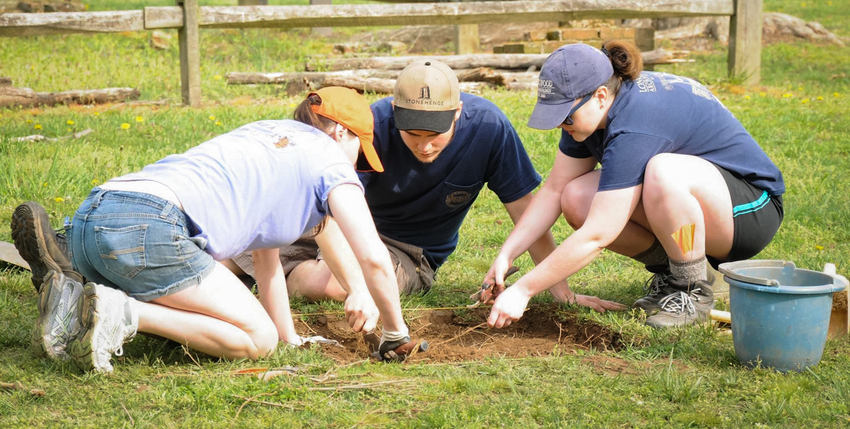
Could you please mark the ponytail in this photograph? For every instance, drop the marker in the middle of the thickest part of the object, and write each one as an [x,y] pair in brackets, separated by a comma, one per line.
[626,61]
[305,114]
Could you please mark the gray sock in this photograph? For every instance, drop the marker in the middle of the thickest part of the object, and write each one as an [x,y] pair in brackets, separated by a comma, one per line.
[655,258]
[692,271]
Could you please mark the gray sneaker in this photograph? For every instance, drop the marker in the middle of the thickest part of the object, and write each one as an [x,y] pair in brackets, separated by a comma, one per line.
[684,308]
[657,287]
[108,322]
[58,319]
[35,241]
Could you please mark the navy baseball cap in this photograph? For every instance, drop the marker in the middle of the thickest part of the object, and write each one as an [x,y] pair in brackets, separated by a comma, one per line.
[571,72]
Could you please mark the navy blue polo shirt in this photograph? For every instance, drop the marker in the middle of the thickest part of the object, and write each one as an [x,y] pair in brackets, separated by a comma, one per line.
[665,113]
[425,204]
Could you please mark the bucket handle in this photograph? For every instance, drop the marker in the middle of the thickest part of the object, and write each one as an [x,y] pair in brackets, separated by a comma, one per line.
[727,268]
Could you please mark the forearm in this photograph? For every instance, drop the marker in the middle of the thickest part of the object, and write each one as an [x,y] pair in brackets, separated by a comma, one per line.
[271,285]
[384,289]
[572,255]
[532,227]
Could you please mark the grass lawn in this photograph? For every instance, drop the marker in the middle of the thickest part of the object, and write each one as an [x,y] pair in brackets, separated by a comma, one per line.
[687,377]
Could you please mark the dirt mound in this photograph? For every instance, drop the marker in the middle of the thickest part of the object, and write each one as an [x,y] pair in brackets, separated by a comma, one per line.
[463,335]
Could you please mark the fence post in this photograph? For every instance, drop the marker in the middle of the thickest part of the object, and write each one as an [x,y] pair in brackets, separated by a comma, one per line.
[467,40]
[745,29]
[190,55]
[322,31]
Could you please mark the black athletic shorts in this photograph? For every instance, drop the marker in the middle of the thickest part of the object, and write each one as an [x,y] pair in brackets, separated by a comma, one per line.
[757,216]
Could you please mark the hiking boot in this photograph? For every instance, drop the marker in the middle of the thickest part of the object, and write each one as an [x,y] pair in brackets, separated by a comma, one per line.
[35,241]
[58,319]
[108,322]
[657,287]
[685,306]
[62,243]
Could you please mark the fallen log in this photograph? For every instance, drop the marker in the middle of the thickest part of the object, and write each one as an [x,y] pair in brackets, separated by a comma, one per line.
[25,97]
[457,62]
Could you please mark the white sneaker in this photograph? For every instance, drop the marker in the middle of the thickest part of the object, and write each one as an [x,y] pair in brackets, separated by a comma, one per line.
[108,322]
[58,321]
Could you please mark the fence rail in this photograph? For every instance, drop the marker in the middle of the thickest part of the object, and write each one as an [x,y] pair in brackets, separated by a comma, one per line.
[188,18]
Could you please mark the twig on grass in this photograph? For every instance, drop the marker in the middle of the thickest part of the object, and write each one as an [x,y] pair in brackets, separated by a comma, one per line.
[136,103]
[20,387]
[366,385]
[254,399]
[40,137]
[186,350]
[132,422]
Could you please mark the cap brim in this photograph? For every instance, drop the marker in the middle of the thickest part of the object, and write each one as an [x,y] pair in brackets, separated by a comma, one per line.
[549,116]
[370,154]
[435,121]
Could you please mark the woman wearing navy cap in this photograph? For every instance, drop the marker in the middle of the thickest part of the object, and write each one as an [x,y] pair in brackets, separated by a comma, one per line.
[681,184]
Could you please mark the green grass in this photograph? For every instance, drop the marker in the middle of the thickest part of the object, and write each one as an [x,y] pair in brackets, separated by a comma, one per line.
[678,378]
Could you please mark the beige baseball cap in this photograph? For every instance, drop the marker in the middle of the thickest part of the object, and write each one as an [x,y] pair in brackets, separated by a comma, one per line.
[426,97]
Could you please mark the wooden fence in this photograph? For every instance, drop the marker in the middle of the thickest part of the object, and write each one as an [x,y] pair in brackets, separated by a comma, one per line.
[188,18]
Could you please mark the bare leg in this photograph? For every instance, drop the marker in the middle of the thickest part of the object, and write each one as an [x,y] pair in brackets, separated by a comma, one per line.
[680,190]
[219,317]
[313,281]
[635,238]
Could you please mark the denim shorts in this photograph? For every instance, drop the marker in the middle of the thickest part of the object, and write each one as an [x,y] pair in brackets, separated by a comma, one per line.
[137,242]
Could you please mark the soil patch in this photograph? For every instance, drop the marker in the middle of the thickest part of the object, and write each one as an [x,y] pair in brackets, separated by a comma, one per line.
[463,335]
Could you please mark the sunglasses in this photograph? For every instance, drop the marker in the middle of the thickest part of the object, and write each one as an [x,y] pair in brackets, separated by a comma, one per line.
[585,99]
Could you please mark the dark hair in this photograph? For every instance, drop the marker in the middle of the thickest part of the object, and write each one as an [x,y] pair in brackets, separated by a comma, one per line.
[626,60]
[304,113]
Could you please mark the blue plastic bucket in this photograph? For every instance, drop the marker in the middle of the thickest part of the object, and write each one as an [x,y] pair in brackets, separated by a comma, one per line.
[780,313]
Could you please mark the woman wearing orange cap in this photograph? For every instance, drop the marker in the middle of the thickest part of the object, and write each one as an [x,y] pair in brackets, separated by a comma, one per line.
[148,242]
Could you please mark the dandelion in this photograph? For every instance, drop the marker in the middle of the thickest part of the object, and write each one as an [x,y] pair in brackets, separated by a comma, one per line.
[59,200]
[217,77]
[820,97]
[835,94]
[218,122]
[762,94]
[37,126]
[787,95]
[44,185]
[125,126]
[805,101]
[803,4]
[140,119]
[95,182]
[212,118]
[69,122]
[746,97]
[799,88]
[96,113]
[29,121]
[819,247]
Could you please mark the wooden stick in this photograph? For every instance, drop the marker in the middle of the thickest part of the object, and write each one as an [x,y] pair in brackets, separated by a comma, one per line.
[20,387]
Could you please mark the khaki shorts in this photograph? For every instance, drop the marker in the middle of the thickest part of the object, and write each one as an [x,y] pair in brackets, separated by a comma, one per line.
[413,272]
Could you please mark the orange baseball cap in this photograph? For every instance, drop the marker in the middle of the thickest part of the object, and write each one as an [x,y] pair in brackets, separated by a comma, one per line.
[351,110]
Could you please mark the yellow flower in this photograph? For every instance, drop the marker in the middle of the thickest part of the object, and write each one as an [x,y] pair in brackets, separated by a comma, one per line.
[37,126]
[59,199]
[29,121]
[799,88]
[218,122]
[803,4]
[44,185]
[69,122]
[96,113]
[125,126]
[212,118]
[818,247]
[762,94]
[835,94]
[787,95]
[140,119]
[805,100]
[217,77]
[95,182]
[820,97]
[746,97]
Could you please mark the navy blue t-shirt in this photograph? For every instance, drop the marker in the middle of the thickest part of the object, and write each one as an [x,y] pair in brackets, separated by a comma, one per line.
[424,204]
[665,113]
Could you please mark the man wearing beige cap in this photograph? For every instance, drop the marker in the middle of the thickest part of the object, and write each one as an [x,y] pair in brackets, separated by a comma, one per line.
[438,148]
